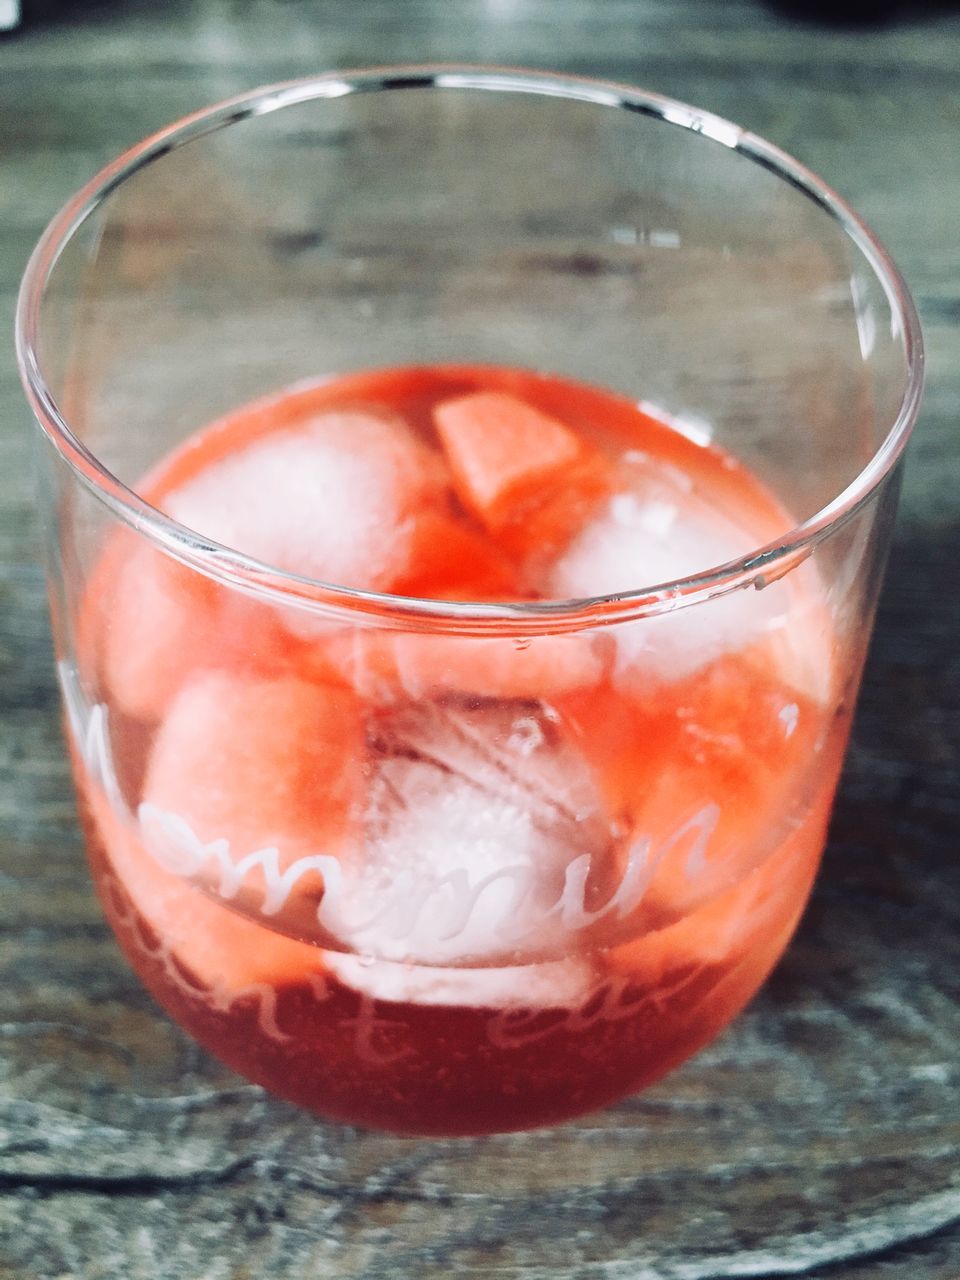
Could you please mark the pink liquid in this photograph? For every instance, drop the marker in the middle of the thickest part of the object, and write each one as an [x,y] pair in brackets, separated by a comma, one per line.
[453,884]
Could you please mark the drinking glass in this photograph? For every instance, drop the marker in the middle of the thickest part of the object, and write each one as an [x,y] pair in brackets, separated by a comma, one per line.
[461,866]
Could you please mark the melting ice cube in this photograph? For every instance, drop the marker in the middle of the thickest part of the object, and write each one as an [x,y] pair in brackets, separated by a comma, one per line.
[643,540]
[475,813]
[558,984]
[325,499]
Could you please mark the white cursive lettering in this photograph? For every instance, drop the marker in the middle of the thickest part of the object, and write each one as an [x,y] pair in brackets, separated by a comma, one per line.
[444,905]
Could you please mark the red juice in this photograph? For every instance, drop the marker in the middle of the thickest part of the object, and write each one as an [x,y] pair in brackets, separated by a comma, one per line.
[452,883]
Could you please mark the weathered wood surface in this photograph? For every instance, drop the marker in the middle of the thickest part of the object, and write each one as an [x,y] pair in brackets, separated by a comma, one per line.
[821,1136]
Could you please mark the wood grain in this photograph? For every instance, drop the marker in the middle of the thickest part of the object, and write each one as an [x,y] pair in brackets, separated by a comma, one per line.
[821,1136]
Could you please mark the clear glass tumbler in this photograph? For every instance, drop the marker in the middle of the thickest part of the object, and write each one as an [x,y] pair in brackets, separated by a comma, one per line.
[467,852]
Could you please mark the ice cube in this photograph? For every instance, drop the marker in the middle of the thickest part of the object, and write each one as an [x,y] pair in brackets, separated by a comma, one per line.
[643,540]
[474,814]
[557,984]
[326,499]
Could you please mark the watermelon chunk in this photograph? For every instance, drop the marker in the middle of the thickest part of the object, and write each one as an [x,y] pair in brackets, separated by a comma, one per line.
[224,955]
[702,773]
[747,925]
[243,764]
[157,620]
[449,561]
[739,746]
[155,623]
[384,666]
[501,451]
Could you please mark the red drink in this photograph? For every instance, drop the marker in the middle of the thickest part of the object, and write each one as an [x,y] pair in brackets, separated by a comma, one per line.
[454,883]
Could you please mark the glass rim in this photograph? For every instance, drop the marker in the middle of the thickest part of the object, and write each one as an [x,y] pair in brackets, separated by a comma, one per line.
[524,618]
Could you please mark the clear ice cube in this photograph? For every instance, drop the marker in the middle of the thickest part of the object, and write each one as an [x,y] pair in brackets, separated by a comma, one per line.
[326,499]
[558,984]
[475,812]
[649,539]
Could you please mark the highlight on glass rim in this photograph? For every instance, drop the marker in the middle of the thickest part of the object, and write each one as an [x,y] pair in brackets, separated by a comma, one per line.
[466,522]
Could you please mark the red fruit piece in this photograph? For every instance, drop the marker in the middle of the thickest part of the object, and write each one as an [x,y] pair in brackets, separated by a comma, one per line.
[385,666]
[159,623]
[744,929]
[157,620]
[449,561]
[502,452]
[538,533]
[243,765]
[217,953]
[527,477]
[701,773]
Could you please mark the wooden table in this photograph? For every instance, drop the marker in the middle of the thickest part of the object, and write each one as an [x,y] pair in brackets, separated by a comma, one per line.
[821,1136]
